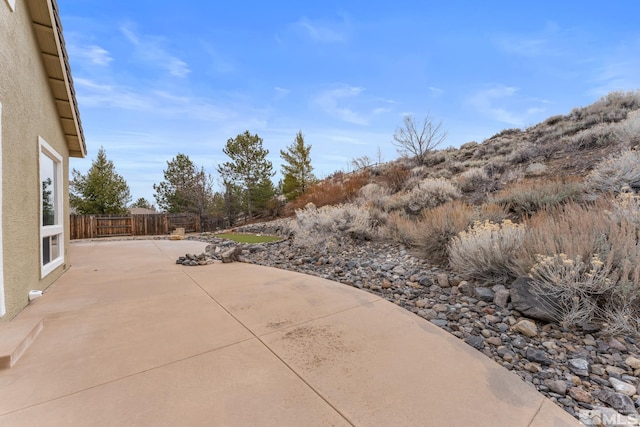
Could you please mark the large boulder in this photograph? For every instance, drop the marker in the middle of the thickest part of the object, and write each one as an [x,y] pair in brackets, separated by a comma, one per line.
[530,304]
[232,255]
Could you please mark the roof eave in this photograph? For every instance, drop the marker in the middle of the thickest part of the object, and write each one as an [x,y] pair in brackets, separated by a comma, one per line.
[48,30]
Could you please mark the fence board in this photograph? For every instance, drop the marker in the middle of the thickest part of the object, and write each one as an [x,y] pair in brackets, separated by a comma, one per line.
[190,223]
[109,226]
[92,226]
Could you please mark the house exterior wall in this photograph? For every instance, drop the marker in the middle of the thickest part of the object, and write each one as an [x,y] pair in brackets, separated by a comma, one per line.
[28,112]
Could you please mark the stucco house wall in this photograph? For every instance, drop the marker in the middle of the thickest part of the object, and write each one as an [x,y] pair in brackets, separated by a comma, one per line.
[30,114]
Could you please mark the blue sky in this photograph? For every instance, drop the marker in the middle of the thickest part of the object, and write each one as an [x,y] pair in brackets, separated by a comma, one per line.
[158,78]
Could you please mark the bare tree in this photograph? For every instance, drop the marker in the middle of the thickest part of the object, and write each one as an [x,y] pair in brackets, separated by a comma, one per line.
[418,140]
[361,162]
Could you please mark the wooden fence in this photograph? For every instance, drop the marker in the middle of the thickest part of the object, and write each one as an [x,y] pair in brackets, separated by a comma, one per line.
[92,226]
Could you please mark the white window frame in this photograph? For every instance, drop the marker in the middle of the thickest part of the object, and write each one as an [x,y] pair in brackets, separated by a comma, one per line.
[12,5]
[3,308]
[57,229]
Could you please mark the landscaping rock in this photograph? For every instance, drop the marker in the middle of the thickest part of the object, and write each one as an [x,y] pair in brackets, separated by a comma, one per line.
[557,386]
[443,280]
[538,356]
[580,395]
[465,288]
[579,367]
[531,305]
[232,255]
[501,297]
[617,401]
[622,387]
[484,294]
[632,362]
[475,341]
[526,327]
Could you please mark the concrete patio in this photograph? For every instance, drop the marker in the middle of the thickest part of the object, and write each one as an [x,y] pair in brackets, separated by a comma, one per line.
[132,339]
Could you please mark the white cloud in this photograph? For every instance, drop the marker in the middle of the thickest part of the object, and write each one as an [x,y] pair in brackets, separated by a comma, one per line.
[93,54]
[381,110]
[617,69]
[502,104]
[332,102]
[219,63]
[92,94]
[324,32]
[155,102]
[281,92]
[549,41]
[348,103]
[149,49]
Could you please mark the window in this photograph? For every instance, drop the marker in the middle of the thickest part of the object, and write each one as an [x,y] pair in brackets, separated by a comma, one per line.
[3,309]
[51,225]
[12,4]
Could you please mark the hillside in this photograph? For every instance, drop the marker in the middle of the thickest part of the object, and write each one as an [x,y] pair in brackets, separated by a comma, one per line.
[556,202]
[559,148]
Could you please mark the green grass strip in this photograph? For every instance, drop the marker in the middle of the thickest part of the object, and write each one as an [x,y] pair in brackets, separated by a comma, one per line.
[248,238]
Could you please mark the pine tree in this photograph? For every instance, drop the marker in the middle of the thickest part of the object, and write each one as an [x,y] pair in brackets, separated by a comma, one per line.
[101,191]
[142,203]
[185,188]
[297,170]
[248,168]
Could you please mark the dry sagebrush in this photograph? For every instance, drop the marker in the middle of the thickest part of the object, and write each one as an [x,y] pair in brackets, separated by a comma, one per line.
[486,251]
[616,172]
[528,197]
[475,179]
[587,259]
[438,226]
[327,227]
[401,229]
[429,193]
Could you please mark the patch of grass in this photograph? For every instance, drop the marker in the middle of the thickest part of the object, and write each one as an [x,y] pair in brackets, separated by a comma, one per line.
[248,238]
